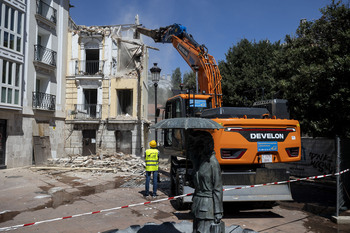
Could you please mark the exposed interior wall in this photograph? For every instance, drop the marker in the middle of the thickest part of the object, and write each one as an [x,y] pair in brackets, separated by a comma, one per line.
[110,138]
[123,84]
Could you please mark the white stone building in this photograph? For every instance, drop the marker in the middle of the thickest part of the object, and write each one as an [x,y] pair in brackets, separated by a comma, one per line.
[33,38]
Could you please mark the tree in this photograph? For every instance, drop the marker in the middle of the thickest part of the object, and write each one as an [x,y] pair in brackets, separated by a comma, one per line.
[176,78]
[315,66]
[248,72]
[189,80]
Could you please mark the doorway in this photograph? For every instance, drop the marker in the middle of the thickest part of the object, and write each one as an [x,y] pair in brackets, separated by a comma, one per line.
[42,149]
[90,102]
[92,65]
[123,140]
[3,125]
[89,142]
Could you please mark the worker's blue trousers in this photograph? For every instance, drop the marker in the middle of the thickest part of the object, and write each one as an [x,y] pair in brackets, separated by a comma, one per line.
[155,185]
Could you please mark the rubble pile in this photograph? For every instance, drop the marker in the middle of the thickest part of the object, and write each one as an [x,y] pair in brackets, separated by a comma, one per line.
[117,162]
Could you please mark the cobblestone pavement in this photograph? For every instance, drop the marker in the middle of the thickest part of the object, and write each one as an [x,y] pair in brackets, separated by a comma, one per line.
[29,195]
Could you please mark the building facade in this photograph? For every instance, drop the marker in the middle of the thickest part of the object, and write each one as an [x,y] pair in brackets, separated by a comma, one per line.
[106,90]
[33,38]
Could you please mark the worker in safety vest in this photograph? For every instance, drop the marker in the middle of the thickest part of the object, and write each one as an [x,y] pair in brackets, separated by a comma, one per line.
[152,161]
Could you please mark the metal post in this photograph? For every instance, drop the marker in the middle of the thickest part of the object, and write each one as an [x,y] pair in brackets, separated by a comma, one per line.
[155,110]
[338,176]
[155,71]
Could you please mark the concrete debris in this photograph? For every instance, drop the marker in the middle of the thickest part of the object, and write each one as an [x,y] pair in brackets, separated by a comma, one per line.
[125,117]
[118,162]
[93,30]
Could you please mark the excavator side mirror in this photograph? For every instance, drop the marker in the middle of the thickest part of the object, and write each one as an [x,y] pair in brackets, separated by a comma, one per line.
[157,112]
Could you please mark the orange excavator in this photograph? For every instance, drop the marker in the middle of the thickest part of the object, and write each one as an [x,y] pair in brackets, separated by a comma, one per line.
[251,145]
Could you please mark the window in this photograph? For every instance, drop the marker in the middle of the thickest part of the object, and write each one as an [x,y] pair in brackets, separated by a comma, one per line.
[124,103]
[178,108]
[19,40]
[12,25]
[3,94]
[169,111]
[12,41]
[10,82]
[0,13]
[11,22]
[4,69]
[19,23]
[6,39]
[37,85]
[16,97]
[18,74]
[9,95]
[7,9]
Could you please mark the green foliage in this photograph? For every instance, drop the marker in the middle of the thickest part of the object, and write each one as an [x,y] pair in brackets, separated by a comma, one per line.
[176,78]
[189,80]
[317,68]
[311,70]
[247,73]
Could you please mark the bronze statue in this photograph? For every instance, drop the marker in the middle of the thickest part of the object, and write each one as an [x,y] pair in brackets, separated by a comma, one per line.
[207,204]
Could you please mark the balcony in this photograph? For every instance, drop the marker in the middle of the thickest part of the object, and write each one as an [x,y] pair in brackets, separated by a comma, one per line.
[87,111]
[44,101]
[47,12]
[89,67]
[44,55]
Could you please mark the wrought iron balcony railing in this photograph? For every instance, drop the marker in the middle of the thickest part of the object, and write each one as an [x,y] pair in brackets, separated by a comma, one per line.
[89,67]
[44,101]
[44,55]
[46,11]
[87,111]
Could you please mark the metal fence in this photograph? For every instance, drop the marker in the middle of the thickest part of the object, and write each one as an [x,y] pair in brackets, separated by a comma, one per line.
[343,181]
[322,156]
[44,101]
[44,55]
[87,111]
[46,11]
[89,67]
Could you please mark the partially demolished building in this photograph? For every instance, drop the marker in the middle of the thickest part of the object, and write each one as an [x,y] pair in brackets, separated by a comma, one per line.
[106,90]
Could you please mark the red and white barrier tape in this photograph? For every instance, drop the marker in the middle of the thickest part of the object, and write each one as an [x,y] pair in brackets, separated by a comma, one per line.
[289,181]
[165,199]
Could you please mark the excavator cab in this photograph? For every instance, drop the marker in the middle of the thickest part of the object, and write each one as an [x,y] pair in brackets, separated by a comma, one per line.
[187,105]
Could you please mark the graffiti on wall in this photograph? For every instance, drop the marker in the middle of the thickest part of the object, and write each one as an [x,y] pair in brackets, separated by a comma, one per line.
[324,163]
[318,157]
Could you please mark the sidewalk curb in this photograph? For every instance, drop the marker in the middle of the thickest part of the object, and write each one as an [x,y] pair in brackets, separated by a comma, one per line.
[341,219]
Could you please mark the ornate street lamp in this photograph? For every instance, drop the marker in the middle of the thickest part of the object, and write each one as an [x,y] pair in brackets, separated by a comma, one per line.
[155,72]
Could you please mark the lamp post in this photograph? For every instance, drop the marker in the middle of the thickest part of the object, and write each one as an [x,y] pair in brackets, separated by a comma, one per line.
[155,72]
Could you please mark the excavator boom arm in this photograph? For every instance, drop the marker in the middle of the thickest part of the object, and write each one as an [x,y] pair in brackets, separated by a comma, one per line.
[196,56]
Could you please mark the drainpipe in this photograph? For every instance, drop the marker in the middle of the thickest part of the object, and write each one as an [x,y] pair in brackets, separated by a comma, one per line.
[139,96]
[142,138]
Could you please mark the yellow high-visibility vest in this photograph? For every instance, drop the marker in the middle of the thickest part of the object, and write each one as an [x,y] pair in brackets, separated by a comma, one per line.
[151,160]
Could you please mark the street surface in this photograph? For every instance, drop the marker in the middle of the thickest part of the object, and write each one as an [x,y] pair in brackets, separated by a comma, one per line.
[28,196]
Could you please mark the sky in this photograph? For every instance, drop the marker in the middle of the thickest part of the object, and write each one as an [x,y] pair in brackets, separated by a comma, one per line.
[218,24]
